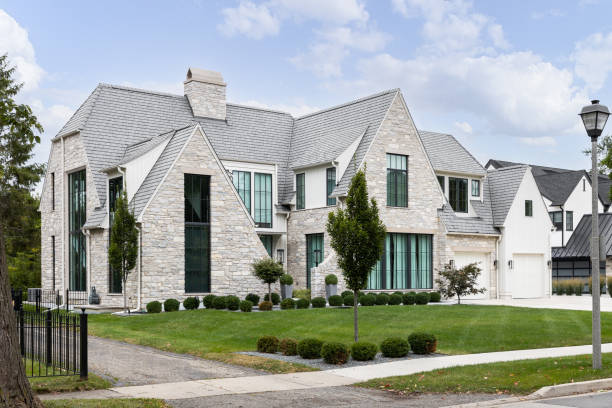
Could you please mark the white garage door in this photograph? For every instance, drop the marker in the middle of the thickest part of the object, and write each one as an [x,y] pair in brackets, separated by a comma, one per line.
[482,258]
[528,276]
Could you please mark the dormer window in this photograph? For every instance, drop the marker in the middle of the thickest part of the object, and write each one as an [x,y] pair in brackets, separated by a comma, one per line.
[475,188]
[458,194]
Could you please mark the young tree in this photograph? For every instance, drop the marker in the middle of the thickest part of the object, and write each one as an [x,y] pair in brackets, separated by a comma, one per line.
[268,271]
[459,282]
[17,179]
[357,235]
[123,250]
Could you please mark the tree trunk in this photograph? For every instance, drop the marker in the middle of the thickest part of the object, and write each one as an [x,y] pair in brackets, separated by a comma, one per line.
[125,306]
[458,299]
[270,294]
[355,324]
[15,390]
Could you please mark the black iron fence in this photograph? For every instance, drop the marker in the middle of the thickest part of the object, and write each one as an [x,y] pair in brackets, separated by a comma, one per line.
[42,299]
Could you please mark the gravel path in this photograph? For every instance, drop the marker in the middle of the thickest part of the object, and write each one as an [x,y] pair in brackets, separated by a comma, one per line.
[128,364]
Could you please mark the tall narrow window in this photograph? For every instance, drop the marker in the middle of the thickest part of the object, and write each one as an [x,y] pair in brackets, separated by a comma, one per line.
[569,220]
[557,219]
[331,184]
[52,191]
[263,200]
[441,181]
[314,253]
[197,233]
[242,182]
[528,208]
[300,191]
[397,180]
[457,194]
[475,188]
[583,185]
[267,241]
[115,187]
[77,212]
[53,262]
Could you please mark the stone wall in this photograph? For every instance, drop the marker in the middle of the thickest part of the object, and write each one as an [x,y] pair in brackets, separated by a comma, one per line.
[206,100]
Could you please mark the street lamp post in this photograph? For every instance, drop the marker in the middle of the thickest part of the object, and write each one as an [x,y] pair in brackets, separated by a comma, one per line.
[594,117]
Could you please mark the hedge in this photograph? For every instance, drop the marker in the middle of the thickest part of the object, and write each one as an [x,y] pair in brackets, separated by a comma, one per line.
[267,344]
[287,304]
[364,351]
[233,302]
[422,343]
[335,300]
[349,300]
[422,298]
[246,306]
[435,297]
[208,300]
[191,303]
[382,299]
[154,307]
[394,347]
[335,353]
[395,299]
[171,305]
[303,303]
[220,302]
[253,298]
[288,347]
[318,302]
[309,348]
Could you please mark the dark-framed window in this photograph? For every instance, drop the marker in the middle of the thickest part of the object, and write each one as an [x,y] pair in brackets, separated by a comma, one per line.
[77,213]
[242,182]
[441,181]
[397,180]
[115,187]
[314,253]
[574,268]
[53,261]
[197,233]
[331,184]
[263,200]
[300,191]
[457,194]
[475,188]
[569,220]
[52,191]
[267,241]
[528,208]
[406,263]
[557,219]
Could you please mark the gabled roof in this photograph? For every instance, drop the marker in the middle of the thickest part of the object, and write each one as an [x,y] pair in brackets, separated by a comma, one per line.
[447,154]
[504,184]
[579,244]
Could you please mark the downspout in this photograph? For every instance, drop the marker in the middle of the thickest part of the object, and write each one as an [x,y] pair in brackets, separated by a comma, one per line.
[497,267]
[88,254]
[562,226]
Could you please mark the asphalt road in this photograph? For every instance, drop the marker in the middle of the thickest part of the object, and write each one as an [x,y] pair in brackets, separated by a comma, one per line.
[594,400]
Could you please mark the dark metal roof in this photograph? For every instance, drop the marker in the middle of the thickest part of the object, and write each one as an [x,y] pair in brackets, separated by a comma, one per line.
[579,244]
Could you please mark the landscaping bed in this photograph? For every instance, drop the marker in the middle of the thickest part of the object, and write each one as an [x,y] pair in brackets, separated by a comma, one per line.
[106,403]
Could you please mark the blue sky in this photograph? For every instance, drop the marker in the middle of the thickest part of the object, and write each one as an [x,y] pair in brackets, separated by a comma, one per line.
[507,78]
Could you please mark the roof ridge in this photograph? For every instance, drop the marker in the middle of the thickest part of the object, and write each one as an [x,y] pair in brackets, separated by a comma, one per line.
[516,166]
[342,105]
[141,90]
[563,173]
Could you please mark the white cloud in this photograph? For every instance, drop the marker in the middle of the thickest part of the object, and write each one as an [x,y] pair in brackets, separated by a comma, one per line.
[593,60]
[249,19]
[15,42]
[538,141]
[464,127]
[369,40]
[296,110]
[539,15]
[330,11]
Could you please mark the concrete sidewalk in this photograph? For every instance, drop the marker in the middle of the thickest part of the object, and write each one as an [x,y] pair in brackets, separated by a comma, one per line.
[318,379]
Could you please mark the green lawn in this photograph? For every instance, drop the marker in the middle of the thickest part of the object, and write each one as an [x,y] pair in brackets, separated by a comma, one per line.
[516,377]
[108,403]
[61,383]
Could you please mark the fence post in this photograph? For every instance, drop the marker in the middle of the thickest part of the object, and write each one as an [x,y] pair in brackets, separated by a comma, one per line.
[37,297]
[48,342]
[21,333]
[66,300]
[83,330]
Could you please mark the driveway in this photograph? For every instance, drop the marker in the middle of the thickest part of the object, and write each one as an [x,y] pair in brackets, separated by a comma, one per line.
[127,364]
[553,302]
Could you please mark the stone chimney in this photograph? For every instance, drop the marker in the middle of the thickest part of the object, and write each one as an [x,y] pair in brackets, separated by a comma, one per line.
[205,91]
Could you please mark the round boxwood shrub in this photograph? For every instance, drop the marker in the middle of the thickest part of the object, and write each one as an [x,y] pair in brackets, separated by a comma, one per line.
[287,304]
[435,297]
[422,298]
[335,300]
[409,298]
[265,306]
[154,307]
[303,303]
[349,300]
[171,305]
[318,302]
[233,302]
[286,279]
[367,300]
[288,347]
[208,300]
[275,298]
[267,344]
[382,299]
[331,279]
[246,306]
[422,343]
[334,353]
[364,351]
[394,347]
[220,303]
[397,292]
[191,303]
[253,298]
[395,299]
[346,293]
[309,348]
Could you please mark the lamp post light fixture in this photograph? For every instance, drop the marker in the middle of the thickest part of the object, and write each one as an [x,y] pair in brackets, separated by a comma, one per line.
[594,117]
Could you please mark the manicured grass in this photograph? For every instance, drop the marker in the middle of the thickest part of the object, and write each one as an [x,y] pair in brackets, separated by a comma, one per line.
[61,383]
[260,363]
[108,403]
[517,377]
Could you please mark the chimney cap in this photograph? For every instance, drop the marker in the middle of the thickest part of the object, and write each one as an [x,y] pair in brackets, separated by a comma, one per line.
[204,75]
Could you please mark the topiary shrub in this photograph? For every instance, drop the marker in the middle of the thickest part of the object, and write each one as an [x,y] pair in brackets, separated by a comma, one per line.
[171,305]
[267,344]
[331,279]
[208,300]
[335,353]
[397,292]
[288,347]
[233,302]
[346,293]
[382,299]
[220,303]
[286,279]
[154,307]
[246,306]
[422,343]
[275,298]
[309,348]
[335,300]
[349,300]
[318,302]
[409,298]
[395,347]
[367,300]
[302,294]
[265,306]
[435,297]
[395,299]
[303,303]
[287,304]
[364,351]
[422,298]
[191,303]
[253,298]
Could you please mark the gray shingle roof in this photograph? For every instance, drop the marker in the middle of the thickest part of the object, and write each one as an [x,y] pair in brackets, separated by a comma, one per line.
[95,219]
[579,244]
[503,185]
[447,154]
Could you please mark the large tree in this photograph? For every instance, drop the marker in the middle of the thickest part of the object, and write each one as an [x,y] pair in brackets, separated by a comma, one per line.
[23,246]
[357,235]
[18,176]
